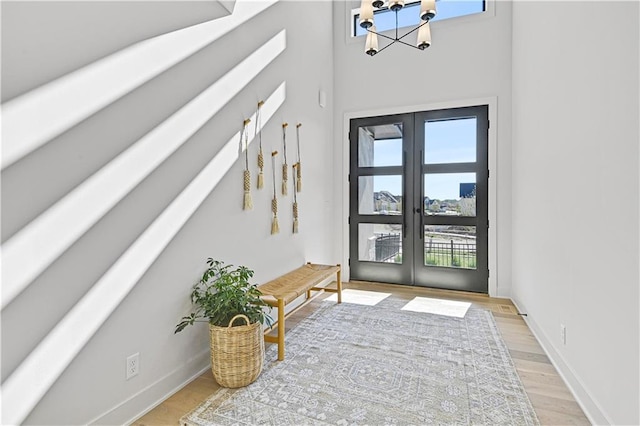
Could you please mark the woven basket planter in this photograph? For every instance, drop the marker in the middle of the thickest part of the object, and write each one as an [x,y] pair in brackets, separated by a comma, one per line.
[237,353]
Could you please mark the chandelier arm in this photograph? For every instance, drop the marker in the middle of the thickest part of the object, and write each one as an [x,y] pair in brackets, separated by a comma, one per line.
[387,37]
[382,35]
[413,30]
[407,44]
[386,46]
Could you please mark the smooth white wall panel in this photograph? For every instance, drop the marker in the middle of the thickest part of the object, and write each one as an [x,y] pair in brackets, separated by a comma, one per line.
[575,195]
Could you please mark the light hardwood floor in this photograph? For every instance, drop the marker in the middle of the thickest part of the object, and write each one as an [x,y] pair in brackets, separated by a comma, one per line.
[552,401]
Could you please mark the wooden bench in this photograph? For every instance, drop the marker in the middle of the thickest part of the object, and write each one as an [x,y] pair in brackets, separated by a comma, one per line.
[283,290]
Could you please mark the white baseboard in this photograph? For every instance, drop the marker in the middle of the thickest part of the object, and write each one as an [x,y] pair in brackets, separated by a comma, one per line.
[591,408]
[148,398]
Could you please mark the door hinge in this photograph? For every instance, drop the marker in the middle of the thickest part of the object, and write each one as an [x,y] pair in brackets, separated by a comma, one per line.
[488,173]
[488,124]
[349,177]
[349,220]
[349,262]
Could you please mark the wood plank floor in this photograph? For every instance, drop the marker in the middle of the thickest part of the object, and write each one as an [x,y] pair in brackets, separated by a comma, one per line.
[552,401]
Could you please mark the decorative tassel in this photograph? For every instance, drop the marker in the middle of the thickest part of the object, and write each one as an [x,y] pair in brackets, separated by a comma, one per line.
[299,169]
[295,202]
[248,203]
[285,167]
[285,178]
[261,167]
[275,228]
[260,156]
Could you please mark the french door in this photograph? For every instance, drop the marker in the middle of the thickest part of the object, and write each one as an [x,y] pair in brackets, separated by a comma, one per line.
[419,199]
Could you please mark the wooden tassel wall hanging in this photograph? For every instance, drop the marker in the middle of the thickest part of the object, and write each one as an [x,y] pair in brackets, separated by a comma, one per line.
[298,168]
[248,203]
[260,156]
[275,228]
[285,167]
[295,200]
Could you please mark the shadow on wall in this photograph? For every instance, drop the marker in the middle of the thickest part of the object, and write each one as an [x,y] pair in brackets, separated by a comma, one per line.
[33,119]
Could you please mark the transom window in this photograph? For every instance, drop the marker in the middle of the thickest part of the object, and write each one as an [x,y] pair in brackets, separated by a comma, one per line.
[409,15]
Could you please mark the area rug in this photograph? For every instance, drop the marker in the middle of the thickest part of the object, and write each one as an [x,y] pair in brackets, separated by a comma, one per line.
[351,364]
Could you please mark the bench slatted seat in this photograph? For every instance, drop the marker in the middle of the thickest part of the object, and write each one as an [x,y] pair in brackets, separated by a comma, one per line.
[283,290]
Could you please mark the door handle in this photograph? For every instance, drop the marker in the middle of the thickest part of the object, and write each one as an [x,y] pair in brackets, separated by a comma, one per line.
[417,210]
[405,218]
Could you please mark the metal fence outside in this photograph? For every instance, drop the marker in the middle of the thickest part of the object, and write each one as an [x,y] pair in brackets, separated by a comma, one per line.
[387,246]
[436,253]
[452,254]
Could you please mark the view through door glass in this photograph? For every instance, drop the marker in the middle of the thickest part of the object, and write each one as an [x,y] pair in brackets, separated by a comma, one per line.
[418,199]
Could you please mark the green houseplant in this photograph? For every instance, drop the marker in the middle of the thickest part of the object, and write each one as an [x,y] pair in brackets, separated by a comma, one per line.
[223,293]
[222,297]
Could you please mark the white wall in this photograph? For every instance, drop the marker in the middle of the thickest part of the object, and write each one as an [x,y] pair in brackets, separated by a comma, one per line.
[575,194]
[93,387]
[470,58]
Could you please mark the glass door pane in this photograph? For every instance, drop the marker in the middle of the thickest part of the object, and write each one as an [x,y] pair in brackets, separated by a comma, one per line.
[450,194]
[379,242]
[450,141]
[379,250]
[381,195]
[450,246]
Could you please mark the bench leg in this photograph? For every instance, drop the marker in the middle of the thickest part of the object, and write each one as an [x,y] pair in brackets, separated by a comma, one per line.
[339,285]
[280,330]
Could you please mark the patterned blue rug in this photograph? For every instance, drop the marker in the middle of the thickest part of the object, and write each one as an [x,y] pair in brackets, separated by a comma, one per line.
[351,364]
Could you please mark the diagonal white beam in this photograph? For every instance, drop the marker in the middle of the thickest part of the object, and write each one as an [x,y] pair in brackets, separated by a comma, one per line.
[39,371]
[32,119]
[32,249]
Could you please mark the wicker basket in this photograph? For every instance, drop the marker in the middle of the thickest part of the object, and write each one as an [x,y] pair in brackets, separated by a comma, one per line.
[237,353]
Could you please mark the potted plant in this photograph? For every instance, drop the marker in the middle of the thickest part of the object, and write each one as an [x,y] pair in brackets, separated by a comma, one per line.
[232,306]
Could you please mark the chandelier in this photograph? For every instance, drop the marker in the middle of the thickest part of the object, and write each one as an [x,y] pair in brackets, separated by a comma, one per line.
[427,12]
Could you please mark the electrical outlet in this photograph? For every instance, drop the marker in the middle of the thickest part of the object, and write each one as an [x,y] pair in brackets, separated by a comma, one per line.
[133,365]
[563,334]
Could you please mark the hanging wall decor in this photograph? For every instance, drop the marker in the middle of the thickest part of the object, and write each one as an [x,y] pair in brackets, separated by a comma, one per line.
[248,204]
[260,156]
[298,168]
[285,167]
[295,199]
[275,228]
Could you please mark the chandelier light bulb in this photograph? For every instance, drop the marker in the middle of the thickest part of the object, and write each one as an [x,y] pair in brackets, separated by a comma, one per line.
[424,36]
[427,9]
[366,14]
[396,5]
[371,47]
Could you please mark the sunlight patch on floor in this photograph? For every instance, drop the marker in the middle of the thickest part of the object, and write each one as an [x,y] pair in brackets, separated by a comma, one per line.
[450,308]
[360,297]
